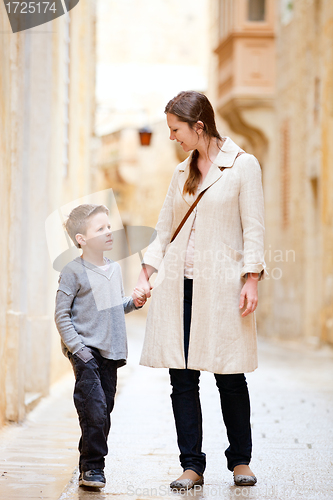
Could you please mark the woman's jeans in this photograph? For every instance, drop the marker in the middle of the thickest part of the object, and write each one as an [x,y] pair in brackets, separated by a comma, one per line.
[235,405]
[94,393]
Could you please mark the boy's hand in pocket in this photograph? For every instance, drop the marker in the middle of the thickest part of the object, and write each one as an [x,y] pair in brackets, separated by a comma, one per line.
[85,354]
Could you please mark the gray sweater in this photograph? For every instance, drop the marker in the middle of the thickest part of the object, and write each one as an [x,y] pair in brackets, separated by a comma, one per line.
[90,305]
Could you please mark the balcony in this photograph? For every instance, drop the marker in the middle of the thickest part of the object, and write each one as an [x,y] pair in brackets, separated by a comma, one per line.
[246,60]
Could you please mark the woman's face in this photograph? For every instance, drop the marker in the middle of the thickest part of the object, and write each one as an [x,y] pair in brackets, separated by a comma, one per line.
[182,133]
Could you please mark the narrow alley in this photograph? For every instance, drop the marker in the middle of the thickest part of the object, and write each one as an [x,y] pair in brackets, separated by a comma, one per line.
[292,406]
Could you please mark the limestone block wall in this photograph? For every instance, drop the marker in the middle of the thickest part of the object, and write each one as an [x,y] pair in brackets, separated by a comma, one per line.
[43,115]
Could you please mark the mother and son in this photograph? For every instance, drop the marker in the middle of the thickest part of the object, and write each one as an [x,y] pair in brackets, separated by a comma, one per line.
[197,320]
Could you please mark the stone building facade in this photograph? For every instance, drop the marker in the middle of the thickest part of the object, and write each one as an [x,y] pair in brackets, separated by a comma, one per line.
[46,112]
[271,81]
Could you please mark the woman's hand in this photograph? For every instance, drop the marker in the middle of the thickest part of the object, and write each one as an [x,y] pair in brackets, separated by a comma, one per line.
[250,293]
[143,281]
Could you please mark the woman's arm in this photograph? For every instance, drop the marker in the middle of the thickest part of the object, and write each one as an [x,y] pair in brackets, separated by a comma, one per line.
[156,250]
[251,207]
[143,280]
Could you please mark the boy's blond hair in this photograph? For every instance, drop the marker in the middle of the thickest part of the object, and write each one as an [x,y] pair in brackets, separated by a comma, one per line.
[77,221]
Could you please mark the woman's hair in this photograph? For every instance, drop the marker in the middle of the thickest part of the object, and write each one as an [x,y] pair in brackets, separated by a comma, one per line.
[77,222]
[191,107]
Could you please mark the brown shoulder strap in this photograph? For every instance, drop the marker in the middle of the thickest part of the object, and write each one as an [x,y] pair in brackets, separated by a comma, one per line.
[188,213]
[192,207]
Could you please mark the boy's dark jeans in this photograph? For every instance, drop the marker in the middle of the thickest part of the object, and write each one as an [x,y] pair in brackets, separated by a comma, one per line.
[94,393]
[235,405]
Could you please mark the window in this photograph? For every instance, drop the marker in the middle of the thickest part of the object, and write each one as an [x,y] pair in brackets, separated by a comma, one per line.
[256,10]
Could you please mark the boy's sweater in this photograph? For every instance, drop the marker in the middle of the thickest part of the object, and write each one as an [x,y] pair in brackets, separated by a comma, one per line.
[90,307]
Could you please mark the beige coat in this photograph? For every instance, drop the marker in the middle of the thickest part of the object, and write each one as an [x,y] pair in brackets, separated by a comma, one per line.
[229,242]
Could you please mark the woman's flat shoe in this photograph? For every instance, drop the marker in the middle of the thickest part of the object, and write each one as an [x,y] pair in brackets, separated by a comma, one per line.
[186,484]
[241,480]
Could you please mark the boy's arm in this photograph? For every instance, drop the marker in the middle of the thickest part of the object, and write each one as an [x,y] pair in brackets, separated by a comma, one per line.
[129,305]
[64,299]
[128,302]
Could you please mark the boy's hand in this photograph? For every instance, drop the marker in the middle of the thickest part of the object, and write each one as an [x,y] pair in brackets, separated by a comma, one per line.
[84,354]
[139,297]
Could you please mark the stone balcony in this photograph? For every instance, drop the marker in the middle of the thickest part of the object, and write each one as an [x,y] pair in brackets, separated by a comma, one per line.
[246,62]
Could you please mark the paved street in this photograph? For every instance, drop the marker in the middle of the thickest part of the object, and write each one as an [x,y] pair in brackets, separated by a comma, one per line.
[292,419]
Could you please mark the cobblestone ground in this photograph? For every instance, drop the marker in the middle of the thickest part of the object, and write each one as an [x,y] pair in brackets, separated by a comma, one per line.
[292,423]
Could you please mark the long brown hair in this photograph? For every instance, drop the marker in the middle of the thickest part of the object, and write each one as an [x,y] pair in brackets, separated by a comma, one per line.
[191,107]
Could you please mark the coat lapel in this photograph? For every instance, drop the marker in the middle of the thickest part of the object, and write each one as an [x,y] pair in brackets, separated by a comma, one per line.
[225,159]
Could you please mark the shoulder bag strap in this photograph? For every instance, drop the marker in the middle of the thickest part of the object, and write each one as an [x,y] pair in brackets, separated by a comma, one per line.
[192,207]
[188,213]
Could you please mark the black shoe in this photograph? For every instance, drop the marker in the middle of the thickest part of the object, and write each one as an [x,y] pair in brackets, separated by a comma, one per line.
[94,478]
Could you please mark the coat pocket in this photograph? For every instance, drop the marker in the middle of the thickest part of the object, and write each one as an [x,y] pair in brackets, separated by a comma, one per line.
[231,252]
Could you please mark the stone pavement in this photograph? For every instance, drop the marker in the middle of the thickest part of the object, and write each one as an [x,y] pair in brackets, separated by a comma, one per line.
[37,458]
[292,422]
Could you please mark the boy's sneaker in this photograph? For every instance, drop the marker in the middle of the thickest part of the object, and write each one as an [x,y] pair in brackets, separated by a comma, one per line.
[94,478]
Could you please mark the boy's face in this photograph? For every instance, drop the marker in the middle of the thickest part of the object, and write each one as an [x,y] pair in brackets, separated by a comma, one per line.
[98,235]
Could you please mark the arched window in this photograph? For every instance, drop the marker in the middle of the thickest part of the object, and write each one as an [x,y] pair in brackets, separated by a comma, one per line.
[256,10]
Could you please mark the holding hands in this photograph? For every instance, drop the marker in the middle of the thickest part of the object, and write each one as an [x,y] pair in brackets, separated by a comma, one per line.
[143,280]
[139,297]
[142,290]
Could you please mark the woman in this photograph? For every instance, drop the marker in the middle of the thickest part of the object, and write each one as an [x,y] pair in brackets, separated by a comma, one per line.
[205,294]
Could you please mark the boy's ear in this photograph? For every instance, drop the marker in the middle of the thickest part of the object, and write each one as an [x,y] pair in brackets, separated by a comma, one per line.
[80,239]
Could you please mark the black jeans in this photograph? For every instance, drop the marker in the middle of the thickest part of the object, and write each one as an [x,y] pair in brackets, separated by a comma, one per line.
[94,393]
[235,406]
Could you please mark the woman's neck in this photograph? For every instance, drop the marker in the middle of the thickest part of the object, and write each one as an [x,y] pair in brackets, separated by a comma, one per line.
[207,155]
[208,151]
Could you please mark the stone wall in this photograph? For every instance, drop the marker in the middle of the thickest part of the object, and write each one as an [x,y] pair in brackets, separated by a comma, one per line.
[46,113]
[304,174]
[297,299]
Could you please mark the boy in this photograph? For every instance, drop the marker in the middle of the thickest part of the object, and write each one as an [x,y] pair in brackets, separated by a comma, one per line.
[89,315]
